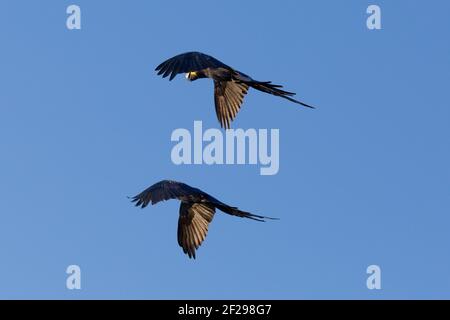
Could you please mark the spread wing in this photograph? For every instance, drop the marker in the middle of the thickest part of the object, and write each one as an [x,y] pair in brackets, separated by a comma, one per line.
[228,98]
[188,62]
[193,225]
[166,190]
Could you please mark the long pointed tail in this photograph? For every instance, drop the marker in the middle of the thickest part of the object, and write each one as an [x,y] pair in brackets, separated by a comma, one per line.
[274,89]
[243,214]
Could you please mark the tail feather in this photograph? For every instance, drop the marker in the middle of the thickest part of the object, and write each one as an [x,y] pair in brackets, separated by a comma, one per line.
[274,89]
[243,214]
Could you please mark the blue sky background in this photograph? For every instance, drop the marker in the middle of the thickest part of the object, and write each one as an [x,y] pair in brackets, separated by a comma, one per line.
[364,179]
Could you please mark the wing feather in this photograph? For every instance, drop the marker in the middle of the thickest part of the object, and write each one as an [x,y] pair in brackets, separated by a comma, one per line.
[193,225]
[166,190]
[188,62]
[228,98]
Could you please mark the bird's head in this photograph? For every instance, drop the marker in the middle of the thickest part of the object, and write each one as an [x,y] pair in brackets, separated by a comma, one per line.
[191,76]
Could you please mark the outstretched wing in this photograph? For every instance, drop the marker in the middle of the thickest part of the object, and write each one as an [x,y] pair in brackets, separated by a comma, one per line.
[166,190]
[228,98]
[193,225]
[188,62]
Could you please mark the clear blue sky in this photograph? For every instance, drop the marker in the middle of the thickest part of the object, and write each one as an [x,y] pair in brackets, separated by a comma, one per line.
[364,179]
